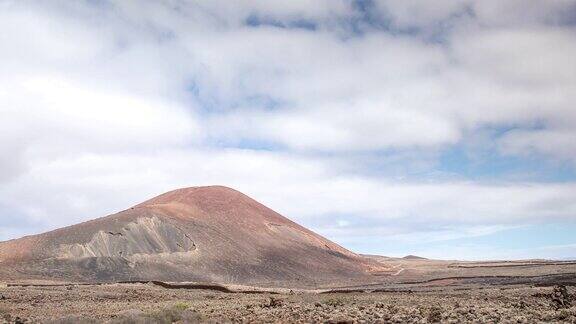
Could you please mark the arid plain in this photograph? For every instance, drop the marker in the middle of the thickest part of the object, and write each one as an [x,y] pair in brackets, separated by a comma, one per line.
[509,292]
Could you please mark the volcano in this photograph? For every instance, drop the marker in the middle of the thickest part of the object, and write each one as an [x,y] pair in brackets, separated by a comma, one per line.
[199,234]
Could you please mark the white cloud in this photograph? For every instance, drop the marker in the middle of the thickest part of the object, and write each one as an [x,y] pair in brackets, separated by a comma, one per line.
[487,13]
[51,116]
[559,142]
[357,126]
[529,61]
[37,39]
[103,105]
[524,12]
[303,189]
[373,92]
[420,13]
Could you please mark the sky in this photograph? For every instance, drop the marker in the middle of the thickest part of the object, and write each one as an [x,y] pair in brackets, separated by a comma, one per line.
[441,128]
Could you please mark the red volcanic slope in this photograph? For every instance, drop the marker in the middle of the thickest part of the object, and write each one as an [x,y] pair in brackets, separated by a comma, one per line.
[208,234]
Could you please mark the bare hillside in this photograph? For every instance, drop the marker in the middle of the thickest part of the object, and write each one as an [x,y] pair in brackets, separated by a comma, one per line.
[205,234]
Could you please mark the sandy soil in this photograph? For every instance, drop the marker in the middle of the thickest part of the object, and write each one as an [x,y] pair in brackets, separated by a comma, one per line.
[147,303]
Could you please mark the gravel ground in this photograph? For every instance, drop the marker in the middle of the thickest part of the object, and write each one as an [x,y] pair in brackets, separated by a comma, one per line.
[144,303]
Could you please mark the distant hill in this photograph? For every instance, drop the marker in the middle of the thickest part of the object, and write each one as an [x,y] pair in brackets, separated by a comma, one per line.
[387,258]
[413,257]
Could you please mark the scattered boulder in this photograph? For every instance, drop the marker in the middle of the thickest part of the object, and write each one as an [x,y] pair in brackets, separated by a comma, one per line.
[560,297]
[435,315]
[19,320]
[273,303]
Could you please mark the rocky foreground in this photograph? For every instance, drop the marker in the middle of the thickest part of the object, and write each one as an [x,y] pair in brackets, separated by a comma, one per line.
[145,303]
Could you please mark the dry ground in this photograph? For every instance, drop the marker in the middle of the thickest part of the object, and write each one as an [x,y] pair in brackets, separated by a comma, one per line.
[421,291]
[147,303]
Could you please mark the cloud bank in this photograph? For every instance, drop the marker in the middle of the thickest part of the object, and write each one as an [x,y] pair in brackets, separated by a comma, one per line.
[408,119]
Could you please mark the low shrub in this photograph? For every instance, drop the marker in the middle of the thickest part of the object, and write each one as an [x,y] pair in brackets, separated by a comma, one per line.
[334,302]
